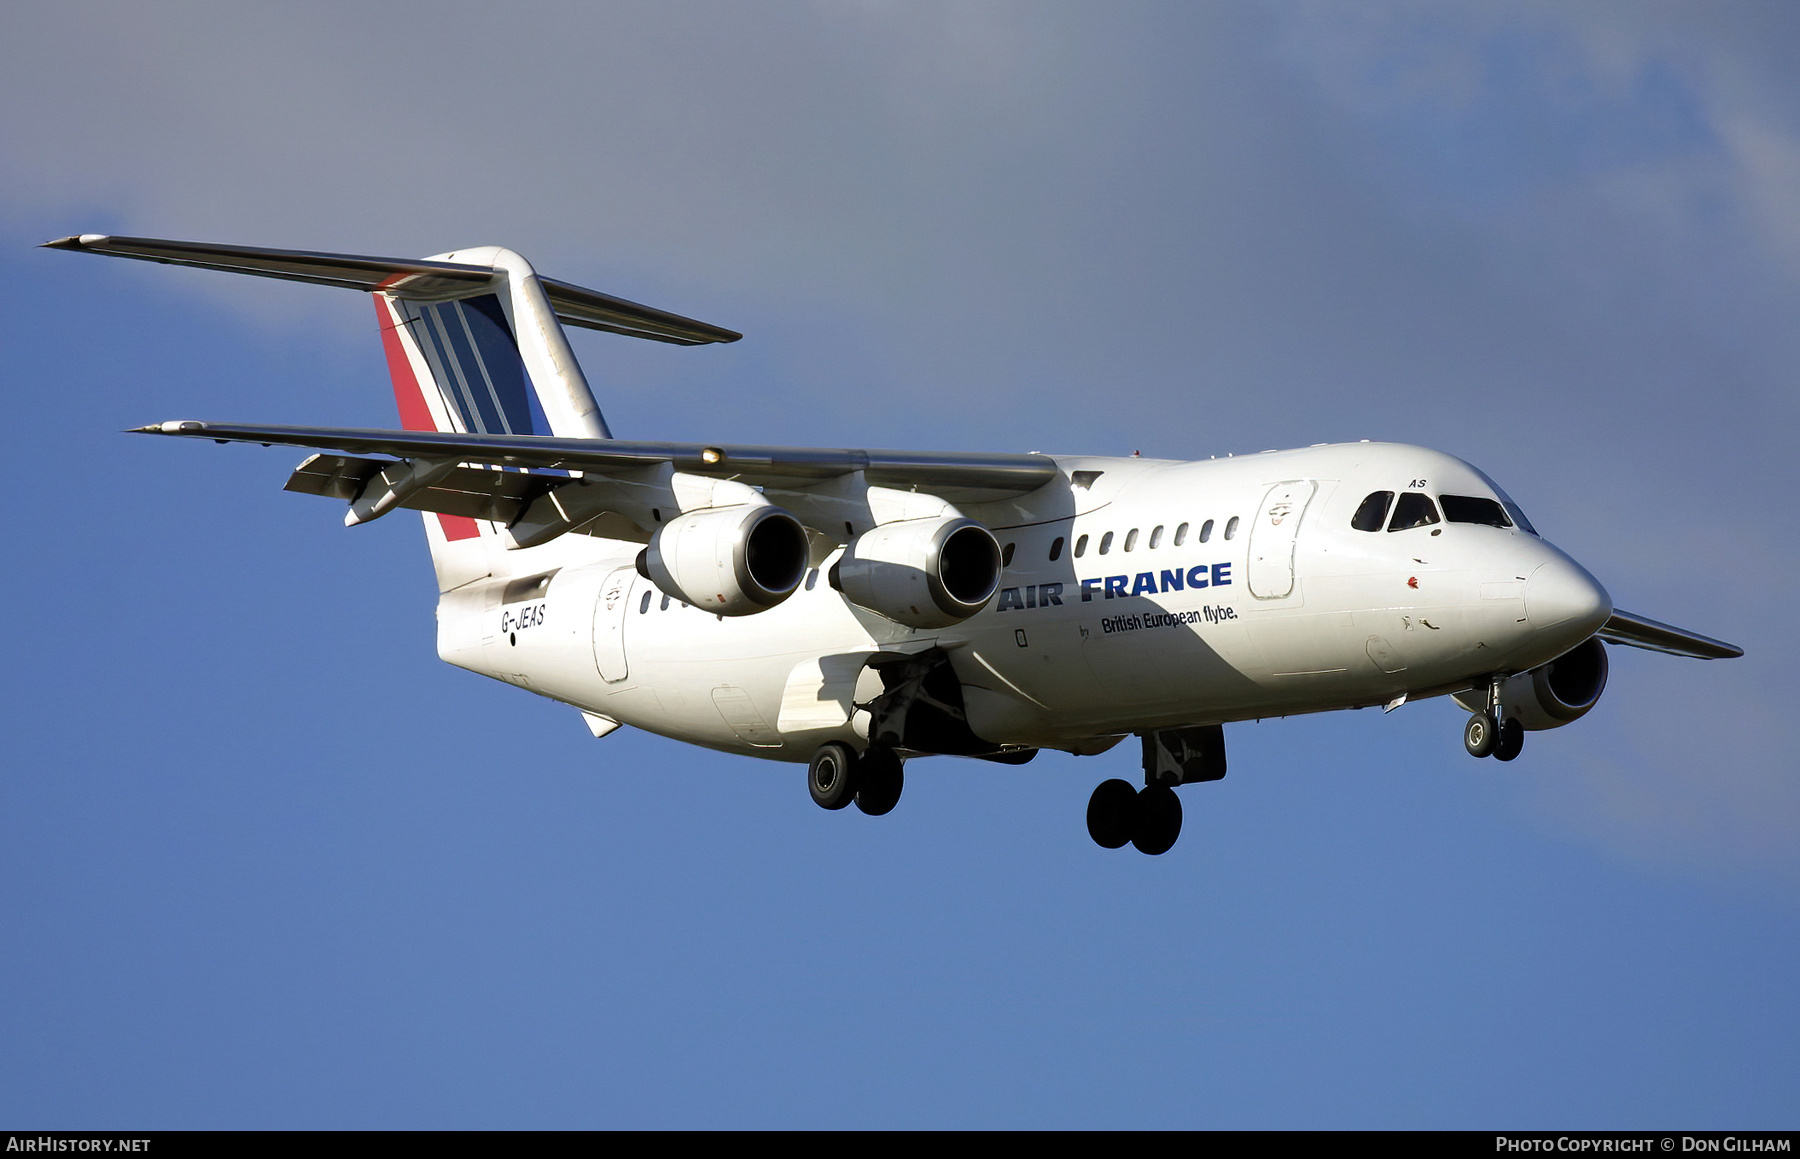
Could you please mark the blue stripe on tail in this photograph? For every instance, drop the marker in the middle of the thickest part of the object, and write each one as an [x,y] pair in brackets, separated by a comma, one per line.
[476,363]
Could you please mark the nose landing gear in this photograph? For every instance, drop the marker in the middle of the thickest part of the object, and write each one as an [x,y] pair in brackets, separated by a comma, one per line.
[1480,734]
[1512,740]
[1491,732]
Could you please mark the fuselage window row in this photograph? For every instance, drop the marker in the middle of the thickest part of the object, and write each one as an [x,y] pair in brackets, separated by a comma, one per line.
[1131,538]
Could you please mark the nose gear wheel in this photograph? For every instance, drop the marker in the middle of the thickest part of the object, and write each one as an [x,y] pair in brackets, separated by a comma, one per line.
[1480,734]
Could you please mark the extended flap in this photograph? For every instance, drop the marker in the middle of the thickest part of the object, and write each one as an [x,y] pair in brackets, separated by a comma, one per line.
[477,492]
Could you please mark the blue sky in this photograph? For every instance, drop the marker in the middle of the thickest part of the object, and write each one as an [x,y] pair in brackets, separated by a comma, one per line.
[270,863]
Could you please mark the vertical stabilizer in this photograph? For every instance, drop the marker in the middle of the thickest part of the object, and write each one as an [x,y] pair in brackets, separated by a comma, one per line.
[486,359]
[494,355]
[474,345]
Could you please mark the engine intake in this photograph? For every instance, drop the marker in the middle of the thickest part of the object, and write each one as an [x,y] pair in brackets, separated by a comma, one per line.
[732,561]
[925,573]
[1551,695]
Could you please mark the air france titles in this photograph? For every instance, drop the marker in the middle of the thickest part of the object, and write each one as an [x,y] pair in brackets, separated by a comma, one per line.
[1144,583]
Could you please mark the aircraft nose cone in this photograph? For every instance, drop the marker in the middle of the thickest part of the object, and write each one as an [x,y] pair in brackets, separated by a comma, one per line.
[1562,592]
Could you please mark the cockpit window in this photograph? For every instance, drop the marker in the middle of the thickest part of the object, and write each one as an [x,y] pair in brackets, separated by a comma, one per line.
[1474,509]
[1374,509]
[1413,510]
[1518,517]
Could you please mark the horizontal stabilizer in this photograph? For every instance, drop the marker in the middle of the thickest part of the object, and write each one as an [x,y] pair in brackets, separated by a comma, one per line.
[406,278]
[960,478]
[1643,632]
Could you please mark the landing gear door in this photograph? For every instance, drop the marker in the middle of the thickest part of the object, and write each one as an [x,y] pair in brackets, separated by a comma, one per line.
[610,612]
[1272,539]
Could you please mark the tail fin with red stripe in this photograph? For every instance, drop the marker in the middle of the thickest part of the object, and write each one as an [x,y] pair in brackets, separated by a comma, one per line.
[474,345]
[482,359]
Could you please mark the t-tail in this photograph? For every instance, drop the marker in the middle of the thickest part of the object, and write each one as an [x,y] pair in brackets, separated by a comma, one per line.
[474,345]
[488,358]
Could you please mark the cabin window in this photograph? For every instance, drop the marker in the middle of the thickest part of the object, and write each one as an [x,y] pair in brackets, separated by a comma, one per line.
[1056,546]
[812,579]
[664,606]
[1106,543]
[1006,554]
[1156,537]
[1181,535]
[1413,510]
[1131,539]
[1373,512]
[1473,509]
[1231,528]
[1081,547]
[644,604]
[1206,531]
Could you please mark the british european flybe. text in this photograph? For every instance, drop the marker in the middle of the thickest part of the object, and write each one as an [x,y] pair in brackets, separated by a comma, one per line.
[1212,614]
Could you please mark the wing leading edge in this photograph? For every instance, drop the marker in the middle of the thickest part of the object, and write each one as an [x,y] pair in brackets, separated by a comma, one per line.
[967,478]
[1656,636]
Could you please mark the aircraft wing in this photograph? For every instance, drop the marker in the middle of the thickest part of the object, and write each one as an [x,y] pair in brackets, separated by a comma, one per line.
[1643,632]
[965,478]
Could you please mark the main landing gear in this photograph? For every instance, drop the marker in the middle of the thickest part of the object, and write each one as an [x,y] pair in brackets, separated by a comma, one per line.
[1150,818]
[1492,733]
[836,776]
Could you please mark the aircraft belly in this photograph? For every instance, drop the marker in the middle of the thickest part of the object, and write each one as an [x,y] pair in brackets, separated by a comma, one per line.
[1106,666]
[724,681]
[1019,683]
[1029,660]
[715,703]
[1295,645]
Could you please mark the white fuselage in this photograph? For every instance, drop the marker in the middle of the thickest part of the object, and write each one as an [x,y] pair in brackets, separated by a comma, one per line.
[1137,594]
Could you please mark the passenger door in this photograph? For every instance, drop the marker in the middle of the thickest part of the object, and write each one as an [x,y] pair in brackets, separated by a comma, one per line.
[1272,537]
[610,612]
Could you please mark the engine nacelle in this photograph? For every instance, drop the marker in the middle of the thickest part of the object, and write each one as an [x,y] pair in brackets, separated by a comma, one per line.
[731,561]
[1551,695]
[925,573]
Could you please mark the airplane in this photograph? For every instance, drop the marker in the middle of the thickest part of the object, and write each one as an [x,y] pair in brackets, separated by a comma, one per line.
[856,609]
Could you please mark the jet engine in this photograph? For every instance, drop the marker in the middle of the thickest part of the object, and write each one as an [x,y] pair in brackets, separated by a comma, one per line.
[1551,695]
[925,573]
[732,561]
